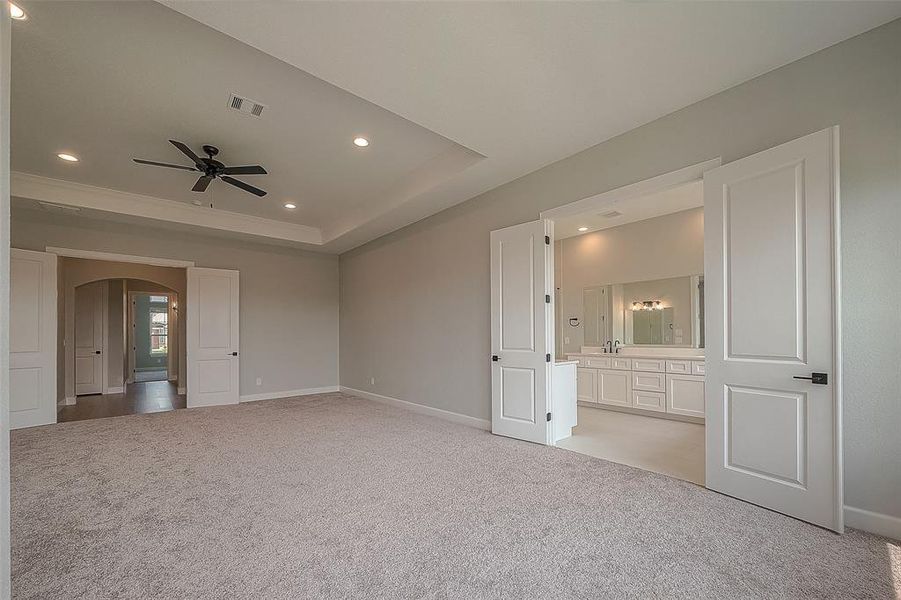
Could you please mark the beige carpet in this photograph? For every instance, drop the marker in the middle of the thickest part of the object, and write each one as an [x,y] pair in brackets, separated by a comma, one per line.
[332,496]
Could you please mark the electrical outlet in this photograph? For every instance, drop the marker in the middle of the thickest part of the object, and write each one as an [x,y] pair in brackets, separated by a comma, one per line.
[372,381]
[565,340]
[259,381]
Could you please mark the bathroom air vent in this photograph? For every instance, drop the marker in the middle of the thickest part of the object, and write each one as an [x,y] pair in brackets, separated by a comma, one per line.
[612,214]
[245,105]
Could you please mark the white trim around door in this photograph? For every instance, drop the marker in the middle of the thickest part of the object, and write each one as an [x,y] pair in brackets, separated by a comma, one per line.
[114,257]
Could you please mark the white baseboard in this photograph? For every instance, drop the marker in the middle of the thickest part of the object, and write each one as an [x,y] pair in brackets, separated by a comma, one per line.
[421,409]
[116,390]
[289,393]
[65,402]
[878,523]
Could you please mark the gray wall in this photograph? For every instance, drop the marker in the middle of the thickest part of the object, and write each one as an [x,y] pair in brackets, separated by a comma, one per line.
[415,303]
[115,354]
[288,297]
[659,248]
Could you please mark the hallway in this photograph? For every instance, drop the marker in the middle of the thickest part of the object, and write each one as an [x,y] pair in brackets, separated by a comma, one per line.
[139,398]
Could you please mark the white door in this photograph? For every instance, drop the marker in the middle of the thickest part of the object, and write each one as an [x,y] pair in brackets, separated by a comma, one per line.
[89,322]
[770,223]
[212,305]
[32,338]
[522,335]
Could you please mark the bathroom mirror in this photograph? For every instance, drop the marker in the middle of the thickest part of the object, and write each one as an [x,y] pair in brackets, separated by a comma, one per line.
[658,312]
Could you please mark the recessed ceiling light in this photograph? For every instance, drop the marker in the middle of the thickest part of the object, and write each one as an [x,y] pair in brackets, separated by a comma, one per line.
[68,157]
[361,142]
[290,205]
[16,12]
[583,229]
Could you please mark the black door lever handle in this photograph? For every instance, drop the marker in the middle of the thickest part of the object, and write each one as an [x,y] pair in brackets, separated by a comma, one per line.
[818,378]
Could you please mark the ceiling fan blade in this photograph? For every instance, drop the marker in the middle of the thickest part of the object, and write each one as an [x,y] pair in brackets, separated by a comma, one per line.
[187,152]
[202,184]
[248,170]
[244,186]
[160,164]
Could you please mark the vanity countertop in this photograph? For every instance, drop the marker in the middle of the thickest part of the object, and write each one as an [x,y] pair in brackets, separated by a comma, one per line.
[657,355]
[564,361]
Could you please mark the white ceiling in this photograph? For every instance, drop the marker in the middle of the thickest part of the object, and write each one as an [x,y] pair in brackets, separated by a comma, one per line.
[668,201]
[109,83]
[521,84]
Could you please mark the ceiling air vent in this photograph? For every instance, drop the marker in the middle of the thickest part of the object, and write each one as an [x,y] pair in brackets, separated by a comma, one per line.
[612,214]
[245,105]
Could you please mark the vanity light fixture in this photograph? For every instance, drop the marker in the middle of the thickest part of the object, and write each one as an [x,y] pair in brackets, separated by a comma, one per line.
[361,142]
[583,229]
[290,205]
[68,157]
[16,12]
[647,305]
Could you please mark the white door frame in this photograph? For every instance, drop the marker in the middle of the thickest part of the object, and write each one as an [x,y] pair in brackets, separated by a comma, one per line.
[110,257]
[171,368]
[696,172]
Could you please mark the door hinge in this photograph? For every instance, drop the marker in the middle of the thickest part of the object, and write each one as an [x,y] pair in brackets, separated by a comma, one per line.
[547,358]
[547,240]
[549,417]
[547,298]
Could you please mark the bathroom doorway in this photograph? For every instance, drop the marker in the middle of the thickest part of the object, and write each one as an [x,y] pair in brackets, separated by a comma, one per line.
[629,279]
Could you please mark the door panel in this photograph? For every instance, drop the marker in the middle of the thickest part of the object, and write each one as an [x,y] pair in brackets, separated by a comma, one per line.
[615,387]
[770,281]
[32,338]
[89,316]
[212,321]
[521,331]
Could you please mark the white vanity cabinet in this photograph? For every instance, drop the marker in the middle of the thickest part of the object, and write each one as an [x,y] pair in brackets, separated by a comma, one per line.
[660,384]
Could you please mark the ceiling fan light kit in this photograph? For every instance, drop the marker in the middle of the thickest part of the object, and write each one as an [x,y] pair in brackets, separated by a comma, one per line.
[211,169]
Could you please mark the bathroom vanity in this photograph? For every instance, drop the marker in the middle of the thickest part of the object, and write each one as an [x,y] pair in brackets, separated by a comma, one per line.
[659,382]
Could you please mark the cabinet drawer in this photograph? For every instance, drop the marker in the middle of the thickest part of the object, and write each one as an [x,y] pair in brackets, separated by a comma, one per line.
[649,400]
[621,364]
[698,367]
[649,364]
[600,362]
[682,367]
[650,382]
[586,385]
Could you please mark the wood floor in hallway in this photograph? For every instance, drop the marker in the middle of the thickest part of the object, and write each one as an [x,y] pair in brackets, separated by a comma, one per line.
[139,398]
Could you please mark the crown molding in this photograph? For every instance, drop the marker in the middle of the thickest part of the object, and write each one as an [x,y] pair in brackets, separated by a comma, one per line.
[67,193]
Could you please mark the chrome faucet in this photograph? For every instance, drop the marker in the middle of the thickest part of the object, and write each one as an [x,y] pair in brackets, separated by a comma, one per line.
[616,346]
[608,346]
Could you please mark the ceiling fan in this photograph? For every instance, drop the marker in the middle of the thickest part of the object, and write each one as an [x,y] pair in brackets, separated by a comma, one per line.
[211,169]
